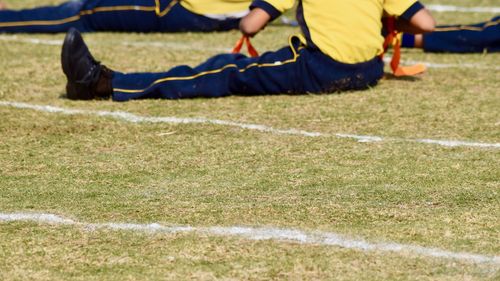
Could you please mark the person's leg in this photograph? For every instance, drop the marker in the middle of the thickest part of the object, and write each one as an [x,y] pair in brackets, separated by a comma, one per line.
[222,75]
[85,16]
[42,19]
[287,71]
[459,38]
[291,70]
[145,16]
[122,15]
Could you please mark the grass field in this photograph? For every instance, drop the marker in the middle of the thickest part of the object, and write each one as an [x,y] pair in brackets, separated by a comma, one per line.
[96,170]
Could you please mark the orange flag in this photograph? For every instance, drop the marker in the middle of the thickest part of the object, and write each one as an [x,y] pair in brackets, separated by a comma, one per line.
[245,40]
[393,39]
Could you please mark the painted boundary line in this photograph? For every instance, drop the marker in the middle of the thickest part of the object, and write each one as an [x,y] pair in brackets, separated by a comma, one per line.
[158,44]
[260,233]
[35,41]
[445,65]
[451,8]
[129,117]
[453,65]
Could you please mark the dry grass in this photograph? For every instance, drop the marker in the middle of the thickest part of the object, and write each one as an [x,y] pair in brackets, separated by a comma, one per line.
[98,169]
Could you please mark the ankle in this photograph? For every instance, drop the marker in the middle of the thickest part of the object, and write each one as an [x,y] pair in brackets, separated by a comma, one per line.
[104,87]
[419,41]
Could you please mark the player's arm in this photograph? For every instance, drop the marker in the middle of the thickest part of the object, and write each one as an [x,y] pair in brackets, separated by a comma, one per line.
[420,22]
[254,22]
[261,13]
[412,16]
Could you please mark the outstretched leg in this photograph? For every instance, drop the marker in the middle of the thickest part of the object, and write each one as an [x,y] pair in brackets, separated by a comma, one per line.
[48,19]
[85,16]
[292,70]
[111,15]
[475,38]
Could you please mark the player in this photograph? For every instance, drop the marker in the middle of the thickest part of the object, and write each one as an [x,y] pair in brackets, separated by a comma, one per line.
[476,38]
[127,15]
[338,50]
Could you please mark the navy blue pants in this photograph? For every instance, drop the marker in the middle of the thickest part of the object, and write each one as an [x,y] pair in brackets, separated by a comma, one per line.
[475,38]
[110,15]
[291,70]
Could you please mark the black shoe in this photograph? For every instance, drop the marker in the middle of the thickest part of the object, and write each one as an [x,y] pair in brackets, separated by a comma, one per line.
[85,75]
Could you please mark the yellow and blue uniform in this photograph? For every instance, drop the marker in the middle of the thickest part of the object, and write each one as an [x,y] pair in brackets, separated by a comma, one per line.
[476,38]
[217,8]
[338,50]
[127,15]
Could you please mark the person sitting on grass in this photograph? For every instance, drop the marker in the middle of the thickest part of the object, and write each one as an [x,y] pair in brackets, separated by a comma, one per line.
[475,38]
[339,50]
[126,16]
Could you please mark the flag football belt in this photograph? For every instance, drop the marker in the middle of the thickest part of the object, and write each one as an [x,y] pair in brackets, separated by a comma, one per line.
[245,40]
[392,38]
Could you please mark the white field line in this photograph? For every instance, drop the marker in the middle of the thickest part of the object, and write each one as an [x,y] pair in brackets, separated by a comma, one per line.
[454,65]
[158,44]
[449,65]
[450,8]
[35,41]
[129,117]
[445,65]
[175,46]
[261,233]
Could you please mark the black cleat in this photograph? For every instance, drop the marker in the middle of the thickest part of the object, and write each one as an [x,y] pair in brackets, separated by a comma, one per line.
[85,75]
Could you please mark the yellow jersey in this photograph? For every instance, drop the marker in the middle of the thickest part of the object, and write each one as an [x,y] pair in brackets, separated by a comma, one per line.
[349,31]
[218,8]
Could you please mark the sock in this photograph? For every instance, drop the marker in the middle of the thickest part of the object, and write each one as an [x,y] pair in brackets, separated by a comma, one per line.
[408,41]
[103,88]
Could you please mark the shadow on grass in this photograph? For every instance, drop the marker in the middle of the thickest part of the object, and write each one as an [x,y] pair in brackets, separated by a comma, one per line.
[390,76]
